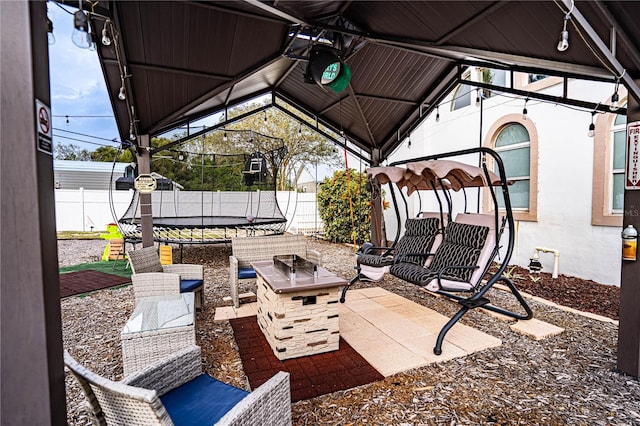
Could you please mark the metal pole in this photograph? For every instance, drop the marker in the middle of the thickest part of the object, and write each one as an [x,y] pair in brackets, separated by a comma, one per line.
[315,216]
[480,145]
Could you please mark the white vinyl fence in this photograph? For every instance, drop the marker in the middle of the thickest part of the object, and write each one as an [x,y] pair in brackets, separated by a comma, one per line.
[87,210]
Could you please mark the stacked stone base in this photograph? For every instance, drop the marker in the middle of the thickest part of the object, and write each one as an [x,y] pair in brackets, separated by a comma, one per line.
[299,323]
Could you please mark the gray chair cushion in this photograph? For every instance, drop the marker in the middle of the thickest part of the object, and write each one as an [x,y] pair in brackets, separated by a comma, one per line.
[412,273]
[418,238]
[374,260]
[461,246]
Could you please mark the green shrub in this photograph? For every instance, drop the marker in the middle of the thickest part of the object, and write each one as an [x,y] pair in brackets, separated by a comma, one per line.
[335,209]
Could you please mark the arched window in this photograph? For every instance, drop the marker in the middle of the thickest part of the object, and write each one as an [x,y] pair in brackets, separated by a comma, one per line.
[462,94]
[461,97]
[514,146]
[516,140]
[609,145]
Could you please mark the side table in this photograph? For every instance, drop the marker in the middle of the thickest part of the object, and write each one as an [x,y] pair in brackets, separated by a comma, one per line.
[159,326]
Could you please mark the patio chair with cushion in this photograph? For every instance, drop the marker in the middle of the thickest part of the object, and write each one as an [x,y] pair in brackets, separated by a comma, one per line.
[252,249]
[174,391]
[186,277]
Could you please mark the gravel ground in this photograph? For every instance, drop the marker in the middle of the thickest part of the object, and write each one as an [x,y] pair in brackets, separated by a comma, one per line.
[74,252]
[564,380]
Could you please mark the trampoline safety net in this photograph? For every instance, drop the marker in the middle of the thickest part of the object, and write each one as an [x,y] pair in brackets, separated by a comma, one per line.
[206,216]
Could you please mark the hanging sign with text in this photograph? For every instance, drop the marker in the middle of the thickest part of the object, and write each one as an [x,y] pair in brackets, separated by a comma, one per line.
[632,170]
[43,127]
[145,184]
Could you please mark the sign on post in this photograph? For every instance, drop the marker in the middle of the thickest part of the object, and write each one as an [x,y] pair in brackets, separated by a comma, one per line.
[145,184]
[632,171]
[43,127]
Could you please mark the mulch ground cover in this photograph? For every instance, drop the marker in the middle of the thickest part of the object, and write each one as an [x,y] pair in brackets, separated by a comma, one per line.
[80,282]
[311,376]
[576,293]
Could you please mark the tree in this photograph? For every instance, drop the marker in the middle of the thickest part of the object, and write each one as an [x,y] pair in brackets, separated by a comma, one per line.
[304,145]
[197,166]
[71,152]
[223,153]
[109,153]
[344,207]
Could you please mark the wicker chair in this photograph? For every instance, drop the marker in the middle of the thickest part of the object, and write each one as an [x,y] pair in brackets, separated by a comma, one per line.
[174,391]
[252,249]
[147,280]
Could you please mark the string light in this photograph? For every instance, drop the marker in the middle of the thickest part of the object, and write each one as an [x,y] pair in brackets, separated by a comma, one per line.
[592,126]
[80,35]
[106,41]
[409,143]
[224,136]
[477,97]
[524,110]
[265,116]
[132,133]
[438,114]
[615,99]
[563,41]
[122,94]
[51,38]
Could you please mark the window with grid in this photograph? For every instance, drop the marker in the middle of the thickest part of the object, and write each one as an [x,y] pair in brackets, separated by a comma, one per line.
[514,146]
[618,138]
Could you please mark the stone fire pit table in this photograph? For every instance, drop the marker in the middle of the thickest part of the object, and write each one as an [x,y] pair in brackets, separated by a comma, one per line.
[298,306]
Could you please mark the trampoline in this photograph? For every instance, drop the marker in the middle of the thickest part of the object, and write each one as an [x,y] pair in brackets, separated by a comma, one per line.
[209,216]
[192,217]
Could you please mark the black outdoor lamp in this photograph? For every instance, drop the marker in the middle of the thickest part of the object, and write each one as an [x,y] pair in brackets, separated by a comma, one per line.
[326,68]
[534,265]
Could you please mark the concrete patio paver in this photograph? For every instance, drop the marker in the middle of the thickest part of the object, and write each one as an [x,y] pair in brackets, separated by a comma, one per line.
[395,334]
[392,333]
[537,329]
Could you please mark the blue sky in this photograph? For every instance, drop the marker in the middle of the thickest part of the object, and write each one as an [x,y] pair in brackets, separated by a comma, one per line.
[77,89]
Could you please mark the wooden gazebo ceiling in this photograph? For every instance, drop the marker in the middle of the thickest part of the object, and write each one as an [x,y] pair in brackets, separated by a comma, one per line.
[186,59]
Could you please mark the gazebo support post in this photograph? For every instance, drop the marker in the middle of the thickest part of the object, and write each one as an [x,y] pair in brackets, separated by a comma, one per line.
[629,328]
[146,212]
[32,379]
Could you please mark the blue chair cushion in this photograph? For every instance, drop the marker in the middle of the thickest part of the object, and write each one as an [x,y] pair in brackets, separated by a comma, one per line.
[202,401]
[189,285]
[244,273]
